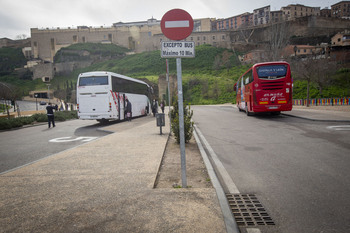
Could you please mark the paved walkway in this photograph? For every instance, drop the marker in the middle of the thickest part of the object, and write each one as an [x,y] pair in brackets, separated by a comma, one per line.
[106,186]
[321,113]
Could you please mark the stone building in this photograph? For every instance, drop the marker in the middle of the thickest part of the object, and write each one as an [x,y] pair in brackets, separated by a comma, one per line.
[46,42]
[261,15]
[235,22]
[137,36]
[341,10]
[341,39]
[294,11]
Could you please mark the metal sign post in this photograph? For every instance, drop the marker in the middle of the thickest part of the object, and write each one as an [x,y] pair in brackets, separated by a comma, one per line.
[177,25]
[169,94]
[181,122]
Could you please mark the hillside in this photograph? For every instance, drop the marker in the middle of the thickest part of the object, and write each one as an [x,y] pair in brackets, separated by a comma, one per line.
[89,51]
[207,79]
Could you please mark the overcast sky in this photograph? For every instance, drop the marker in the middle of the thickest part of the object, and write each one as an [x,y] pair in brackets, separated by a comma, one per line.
[18,16]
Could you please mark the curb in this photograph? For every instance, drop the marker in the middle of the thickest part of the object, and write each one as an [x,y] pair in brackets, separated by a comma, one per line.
[310,119]
[230,223]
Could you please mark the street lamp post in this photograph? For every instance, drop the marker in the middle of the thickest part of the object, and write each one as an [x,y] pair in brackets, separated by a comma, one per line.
[36,101]
[48,91]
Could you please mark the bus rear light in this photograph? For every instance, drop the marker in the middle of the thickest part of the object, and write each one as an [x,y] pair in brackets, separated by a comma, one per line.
[78,107]
[263,102]
[282,102]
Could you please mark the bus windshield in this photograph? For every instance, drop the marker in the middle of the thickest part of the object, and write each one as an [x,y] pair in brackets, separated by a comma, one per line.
[272,72]
[93,81]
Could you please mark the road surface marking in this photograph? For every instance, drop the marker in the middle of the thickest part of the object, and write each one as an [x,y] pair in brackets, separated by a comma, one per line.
[339,127]
[69,139]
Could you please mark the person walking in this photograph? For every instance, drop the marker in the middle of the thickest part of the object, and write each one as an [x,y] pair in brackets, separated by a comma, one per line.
[162,105]
[50,115]
[128,109]
[154,107]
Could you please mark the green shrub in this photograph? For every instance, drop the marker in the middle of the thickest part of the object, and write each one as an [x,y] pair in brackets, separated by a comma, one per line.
[188,123]
[26,120]
[5,123]
[16,122]
[65,115]
[40,117]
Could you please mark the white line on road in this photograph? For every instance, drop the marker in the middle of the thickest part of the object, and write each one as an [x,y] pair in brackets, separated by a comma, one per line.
[339,127]
[69,139]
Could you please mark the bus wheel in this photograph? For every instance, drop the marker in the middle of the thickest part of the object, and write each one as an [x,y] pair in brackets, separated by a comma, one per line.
[103,121]
[248,113]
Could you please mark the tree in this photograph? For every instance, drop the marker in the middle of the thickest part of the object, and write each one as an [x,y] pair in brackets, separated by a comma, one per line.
[277,35]
[8,92]
[313,70]
[21,37]
[324,71]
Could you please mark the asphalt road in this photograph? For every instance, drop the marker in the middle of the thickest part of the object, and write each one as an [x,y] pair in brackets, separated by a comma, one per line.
[298,169]
[29,144]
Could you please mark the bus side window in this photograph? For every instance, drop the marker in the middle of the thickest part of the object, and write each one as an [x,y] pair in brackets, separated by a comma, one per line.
[251,77]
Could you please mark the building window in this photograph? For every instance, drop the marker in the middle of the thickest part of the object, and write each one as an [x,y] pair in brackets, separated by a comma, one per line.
[198,38]
[223,37]
[213,37]
[75,39]
[204,37]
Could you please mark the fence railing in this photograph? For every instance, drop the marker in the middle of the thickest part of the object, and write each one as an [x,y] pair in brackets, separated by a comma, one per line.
[323,101]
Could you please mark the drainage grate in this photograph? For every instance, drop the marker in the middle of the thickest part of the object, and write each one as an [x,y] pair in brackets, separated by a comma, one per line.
[248,211]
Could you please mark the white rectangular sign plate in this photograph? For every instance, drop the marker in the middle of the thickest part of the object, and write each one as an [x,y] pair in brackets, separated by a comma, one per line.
[177,49]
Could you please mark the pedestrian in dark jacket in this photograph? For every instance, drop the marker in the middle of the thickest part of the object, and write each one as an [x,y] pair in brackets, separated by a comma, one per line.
[162,105]
[50,115]
[128,110]
[154,107]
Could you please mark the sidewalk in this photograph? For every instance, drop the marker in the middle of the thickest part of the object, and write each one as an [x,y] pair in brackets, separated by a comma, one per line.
[321,113]
[106,186]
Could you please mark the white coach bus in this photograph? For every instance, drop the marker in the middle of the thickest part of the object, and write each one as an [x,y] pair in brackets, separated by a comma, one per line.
[101,96]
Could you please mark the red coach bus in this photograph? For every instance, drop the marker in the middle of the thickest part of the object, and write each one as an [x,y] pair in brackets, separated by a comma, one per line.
[265,87]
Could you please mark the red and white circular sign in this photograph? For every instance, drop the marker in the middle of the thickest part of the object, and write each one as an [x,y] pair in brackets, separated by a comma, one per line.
[176,24]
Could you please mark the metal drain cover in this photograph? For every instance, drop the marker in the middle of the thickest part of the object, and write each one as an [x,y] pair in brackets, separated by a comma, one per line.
[248,211]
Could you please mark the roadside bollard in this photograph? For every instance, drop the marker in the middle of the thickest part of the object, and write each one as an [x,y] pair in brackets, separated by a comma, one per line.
[160,117]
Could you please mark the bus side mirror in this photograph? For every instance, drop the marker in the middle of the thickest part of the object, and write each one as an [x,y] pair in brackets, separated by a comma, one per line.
[235,87]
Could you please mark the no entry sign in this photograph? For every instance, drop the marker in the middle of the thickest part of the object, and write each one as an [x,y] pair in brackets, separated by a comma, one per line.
[176,24]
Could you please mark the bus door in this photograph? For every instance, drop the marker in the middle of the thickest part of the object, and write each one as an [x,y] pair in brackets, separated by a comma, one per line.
[124,105]
[118,106]
[242,94]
